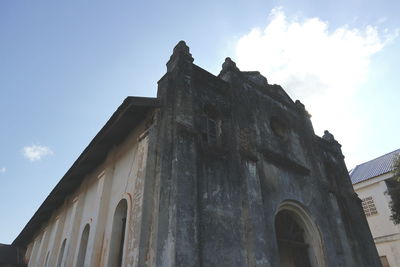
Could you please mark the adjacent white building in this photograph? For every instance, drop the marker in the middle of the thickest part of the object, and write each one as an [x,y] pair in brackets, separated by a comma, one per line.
[370,183]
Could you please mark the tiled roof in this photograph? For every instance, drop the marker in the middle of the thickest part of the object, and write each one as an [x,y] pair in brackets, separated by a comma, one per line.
[373,168]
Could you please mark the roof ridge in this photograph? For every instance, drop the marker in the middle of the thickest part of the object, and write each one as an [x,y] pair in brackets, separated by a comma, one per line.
[377,158]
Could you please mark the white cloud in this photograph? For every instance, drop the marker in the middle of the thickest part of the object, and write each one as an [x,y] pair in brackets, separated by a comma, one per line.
[36,152]
[3,169]
[320,66]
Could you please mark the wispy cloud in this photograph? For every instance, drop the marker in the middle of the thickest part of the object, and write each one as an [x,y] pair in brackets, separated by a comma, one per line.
[36,152]
[3,169]
[320,66]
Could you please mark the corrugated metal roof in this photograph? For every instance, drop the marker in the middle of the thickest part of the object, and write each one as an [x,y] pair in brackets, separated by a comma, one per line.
[373,168]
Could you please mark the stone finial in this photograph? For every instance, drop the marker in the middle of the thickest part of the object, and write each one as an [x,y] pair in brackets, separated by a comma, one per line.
[328,136]
[335,144]
[229,65]
[181,48]
[300,106]
[181,54]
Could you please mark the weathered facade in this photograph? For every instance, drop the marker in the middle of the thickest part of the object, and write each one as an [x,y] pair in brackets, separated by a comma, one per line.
[216,171]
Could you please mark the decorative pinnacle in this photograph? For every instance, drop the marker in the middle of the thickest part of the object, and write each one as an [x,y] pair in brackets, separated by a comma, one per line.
[300,105]
[180,55]
[331,139]
[181,48]
[302,108]
[328,136]
[229,65]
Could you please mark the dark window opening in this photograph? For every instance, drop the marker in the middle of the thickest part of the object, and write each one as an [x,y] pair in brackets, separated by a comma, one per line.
[46,262]
[61,254]
[121,245]
[83,246]
[117,240]
[293,250]
[209,130]
[384,261]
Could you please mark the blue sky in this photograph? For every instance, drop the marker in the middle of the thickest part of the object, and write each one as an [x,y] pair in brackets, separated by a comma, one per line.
[65,66]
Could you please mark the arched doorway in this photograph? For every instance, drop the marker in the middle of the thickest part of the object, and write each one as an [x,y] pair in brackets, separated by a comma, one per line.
[298,239]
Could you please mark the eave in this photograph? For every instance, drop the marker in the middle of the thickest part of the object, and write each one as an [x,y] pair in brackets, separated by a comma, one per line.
[128,115]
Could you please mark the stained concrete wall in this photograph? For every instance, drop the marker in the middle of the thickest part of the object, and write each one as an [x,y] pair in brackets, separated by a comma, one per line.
[215,204]
[120,177]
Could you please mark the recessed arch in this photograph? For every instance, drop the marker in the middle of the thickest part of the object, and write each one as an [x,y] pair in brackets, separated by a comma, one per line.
[298,237]
[117,239]
[46,262]
[61,253]
[83,246]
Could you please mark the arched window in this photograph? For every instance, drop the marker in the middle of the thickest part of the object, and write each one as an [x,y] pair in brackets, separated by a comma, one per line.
[293,250]
[118,234]
[46,262]
[61,254]
[298,239]
[83,246]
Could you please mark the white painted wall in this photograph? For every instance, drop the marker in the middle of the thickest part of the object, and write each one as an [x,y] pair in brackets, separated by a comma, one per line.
[120,176]
[385,233]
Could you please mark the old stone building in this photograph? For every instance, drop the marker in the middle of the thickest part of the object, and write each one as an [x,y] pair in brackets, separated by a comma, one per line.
[216,171]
